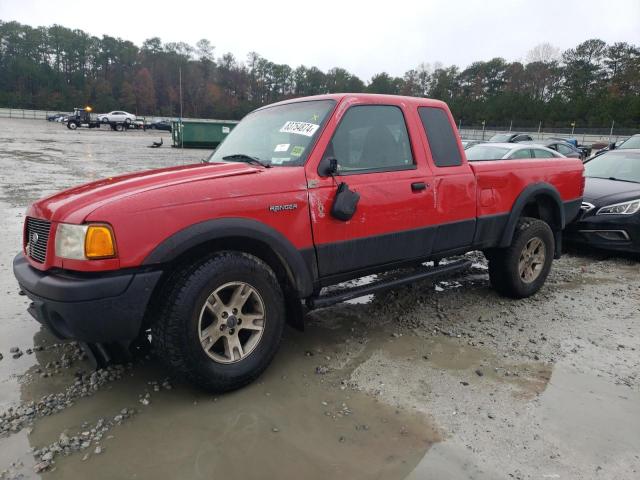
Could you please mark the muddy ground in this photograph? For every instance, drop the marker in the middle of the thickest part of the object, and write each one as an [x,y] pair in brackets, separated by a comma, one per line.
[432,381]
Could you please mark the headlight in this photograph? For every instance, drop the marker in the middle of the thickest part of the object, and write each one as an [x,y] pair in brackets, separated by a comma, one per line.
[624,208]
[84,242]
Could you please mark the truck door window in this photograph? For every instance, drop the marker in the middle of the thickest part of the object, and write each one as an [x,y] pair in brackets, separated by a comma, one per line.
[371,138]
[442,139]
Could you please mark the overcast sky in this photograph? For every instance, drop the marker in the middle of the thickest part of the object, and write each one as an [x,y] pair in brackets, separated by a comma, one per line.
[365,37]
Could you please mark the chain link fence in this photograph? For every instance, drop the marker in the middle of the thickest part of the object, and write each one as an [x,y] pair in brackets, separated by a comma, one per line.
[584,136]
[29,114]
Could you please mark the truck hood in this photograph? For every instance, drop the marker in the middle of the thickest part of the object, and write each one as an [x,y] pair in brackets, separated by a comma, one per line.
[73,205]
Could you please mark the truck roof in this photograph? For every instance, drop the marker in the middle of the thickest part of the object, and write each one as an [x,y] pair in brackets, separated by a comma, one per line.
[372,97]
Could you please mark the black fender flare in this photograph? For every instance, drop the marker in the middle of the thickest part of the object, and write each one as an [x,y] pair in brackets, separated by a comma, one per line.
[298,271]
[525,196]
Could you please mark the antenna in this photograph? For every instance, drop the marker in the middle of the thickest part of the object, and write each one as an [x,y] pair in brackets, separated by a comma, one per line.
[181,127]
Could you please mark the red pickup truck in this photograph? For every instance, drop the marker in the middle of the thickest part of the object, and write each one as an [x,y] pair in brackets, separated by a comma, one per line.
[214,258]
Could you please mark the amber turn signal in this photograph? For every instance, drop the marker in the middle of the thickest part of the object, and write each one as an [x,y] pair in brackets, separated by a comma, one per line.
[99,242]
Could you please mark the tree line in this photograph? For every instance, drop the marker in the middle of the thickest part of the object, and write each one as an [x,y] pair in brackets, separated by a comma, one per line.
[57,68]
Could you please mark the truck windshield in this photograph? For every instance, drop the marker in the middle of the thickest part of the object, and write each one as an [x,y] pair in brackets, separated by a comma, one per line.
[279,136]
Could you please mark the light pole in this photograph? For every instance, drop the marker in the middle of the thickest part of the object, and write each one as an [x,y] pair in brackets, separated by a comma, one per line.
[483,123]
[573,127]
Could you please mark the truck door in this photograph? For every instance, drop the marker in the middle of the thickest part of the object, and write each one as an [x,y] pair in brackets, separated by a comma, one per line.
[379,157]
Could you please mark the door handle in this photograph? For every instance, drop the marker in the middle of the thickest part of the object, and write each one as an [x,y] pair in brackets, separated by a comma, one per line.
[417,186]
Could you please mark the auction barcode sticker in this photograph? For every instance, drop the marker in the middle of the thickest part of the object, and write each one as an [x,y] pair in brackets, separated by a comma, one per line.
[300,128]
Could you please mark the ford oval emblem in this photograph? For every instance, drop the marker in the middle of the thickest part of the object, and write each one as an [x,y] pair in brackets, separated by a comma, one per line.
[34,238]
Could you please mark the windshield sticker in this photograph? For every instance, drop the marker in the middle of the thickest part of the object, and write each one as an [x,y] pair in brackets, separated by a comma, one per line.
[297,150]
[300,128]
[226,129]
[281,147]
[279,161]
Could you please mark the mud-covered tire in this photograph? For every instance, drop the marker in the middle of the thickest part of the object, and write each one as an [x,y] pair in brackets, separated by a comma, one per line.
[176,334]
[504,263]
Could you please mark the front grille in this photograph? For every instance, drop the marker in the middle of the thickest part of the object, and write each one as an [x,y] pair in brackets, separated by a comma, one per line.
[37,238]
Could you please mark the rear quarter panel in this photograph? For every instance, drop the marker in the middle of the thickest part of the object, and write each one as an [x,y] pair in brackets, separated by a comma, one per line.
[499,182]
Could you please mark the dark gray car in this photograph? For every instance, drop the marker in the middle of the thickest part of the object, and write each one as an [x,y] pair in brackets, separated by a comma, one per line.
[560,146]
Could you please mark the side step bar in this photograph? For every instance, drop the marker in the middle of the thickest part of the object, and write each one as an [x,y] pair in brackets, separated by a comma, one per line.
[379,286]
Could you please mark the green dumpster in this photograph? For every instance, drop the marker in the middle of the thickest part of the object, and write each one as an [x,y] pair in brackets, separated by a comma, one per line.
[200,133]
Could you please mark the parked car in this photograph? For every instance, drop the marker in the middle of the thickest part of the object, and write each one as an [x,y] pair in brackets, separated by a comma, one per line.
[509,151]
[610,217]
[160,125]
[469,143]
[631,142]
[215,257]
[55,117]
[510,138]
[565,148]
[117,116]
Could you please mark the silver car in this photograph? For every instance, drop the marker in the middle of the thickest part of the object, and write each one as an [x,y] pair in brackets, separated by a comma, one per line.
[508,151]
[117,116]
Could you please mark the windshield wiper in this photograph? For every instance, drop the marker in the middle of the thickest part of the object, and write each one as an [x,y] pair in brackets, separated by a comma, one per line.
[241,157]
[614,178]
[622,180]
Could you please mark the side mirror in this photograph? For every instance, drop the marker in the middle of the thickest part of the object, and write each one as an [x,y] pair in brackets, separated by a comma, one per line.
[328,166]
[612,146]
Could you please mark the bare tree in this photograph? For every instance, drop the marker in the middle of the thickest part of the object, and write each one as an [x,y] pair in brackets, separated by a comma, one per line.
[544,53]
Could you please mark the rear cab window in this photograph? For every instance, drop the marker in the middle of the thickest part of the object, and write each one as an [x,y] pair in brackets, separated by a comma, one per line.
[442,139]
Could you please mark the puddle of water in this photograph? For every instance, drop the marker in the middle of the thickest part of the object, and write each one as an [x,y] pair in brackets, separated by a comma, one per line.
[455,354]
[599,420]
[323,431]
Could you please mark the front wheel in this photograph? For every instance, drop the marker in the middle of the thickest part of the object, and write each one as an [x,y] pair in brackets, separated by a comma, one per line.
[521,269]
[221,321]
[72,125]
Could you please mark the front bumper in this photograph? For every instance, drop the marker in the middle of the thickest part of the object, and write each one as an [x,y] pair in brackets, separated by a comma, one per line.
[92,308]
[610,232]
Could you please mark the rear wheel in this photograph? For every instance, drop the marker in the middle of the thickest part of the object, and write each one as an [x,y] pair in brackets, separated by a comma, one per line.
[521,269]
[221,321]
